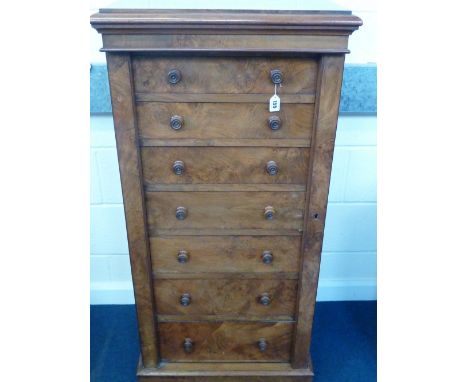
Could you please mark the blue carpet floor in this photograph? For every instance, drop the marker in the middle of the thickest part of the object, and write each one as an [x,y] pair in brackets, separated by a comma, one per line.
[344,342]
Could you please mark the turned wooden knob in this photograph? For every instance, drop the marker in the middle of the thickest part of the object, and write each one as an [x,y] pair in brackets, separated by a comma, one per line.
[181,213]
[267,257]
[276,76]
[176,122]
[269,213]
[178,167]
[272,167]
[174,76]
[182,257]
[262,344]
[188,345]
[185,299]
[274,122]
[264,299]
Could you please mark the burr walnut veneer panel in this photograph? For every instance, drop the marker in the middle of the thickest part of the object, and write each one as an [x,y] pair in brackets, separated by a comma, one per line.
[231,121]
[238,254]
[223,75]
[224,165]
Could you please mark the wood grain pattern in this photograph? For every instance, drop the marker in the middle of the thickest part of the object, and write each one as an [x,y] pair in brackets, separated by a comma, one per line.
[209,21]
[225,372]
[224,317]
[220,368]
[224,211]
[225,378]
[230,120]
[153,231]
[132,189]
[330,77]
[228,275]
[225,254]
[225,142]
[222,98]
[224,165]
[225,187]
[226,341]
[221,75]
[225,44]
[226,297]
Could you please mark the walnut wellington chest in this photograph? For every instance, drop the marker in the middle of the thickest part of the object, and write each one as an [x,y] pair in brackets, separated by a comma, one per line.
[225,125]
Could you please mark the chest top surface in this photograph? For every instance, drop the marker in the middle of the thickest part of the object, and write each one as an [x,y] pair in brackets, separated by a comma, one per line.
[224,30]
[281,15]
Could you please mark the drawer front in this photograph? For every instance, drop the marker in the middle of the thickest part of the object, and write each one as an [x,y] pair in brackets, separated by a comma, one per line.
[225,210]
[215,165]
[223,121]
[252,298]
[225,341]
[223,75]
[192,254]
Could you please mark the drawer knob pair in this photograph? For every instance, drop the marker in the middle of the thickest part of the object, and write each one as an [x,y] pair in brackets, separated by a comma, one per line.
[268,213]
[178,167]
[174,76]
[264,299]
[176,122]
[183,257]
[185,299]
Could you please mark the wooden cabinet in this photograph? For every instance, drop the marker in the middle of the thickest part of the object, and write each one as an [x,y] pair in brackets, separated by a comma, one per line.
[225,201]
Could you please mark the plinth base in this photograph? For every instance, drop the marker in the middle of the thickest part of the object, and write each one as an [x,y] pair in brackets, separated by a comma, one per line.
[224,372]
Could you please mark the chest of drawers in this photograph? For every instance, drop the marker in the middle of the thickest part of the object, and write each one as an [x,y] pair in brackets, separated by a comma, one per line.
[225,201]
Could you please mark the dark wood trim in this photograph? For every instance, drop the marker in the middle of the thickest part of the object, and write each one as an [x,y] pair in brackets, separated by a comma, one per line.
[219,20]
[189,142]
[225,371]
[221,98]
[225,187]
[121,86]
[216,43]
[227,275]
[223,318]
[323,140]
[224,232]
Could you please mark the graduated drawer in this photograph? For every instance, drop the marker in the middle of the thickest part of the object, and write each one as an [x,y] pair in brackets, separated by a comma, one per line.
[248,298]
[209,254]
[215,165]
[225,341]
[222,75]
[179,211]
[204,121]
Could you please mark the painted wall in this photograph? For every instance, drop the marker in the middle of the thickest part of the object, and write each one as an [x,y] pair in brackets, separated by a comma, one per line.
[349,255]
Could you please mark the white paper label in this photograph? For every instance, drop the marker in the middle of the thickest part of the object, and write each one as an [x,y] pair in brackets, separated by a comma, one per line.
[275,103]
